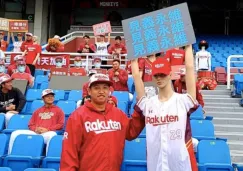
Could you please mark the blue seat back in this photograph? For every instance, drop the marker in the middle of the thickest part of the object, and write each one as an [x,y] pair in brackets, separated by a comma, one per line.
[75,95]
[2,121]
[55,146]
[59,94]
[213,151]
[3,144]
[5,169]
[39,79]
[135,150]
[123,106]
[28,145]
[44,85]
[203,128]
[67,106]
[33,94]
[39,169]
[197,114]
[19,122]
[35,105]
[121,95]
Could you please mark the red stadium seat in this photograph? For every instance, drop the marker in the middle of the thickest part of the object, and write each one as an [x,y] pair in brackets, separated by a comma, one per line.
[241,70]
[220,75]
[233,71]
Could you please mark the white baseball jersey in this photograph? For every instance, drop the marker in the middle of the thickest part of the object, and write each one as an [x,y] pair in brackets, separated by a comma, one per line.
[168,133]
[203,60]
[17,46]
[102,48]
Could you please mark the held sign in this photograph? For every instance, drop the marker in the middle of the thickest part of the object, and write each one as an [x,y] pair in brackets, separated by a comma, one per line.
[48,61]
[102,28]
[158,31]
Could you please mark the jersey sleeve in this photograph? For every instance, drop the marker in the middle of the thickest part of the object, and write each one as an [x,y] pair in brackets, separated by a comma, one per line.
[142,104]
[188,102]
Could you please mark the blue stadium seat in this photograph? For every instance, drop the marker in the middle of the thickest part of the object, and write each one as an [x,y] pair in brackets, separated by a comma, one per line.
[238,82]
[2,121]
[202,129]
[214,155]
[238,167]
[40,79]
[17,122]
[121,95]
[130,84]
[75,95]
[3,147]
[35,105]
[135,155]
[26,152]
[198,114]
[52,159]
[44,85]
[59,94]
[123,106]
[5,169]
[143,133]
[39,169]
[67,106]
[39,72]
[33,94]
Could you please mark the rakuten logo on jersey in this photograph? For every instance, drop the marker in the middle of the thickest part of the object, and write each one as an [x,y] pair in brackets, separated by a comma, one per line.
[102,126]
[161,120]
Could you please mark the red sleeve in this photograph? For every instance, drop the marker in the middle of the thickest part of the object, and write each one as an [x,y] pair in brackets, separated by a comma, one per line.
[111,49]
[123,77]
[38,50]
[9,71]
[71,143]
[141,64]
[124,49]
[22,47]
[199,96]
[27,69]
[111,74]
[92,47]
[32,123]
[81,47]
[48,49]
[135,124]
[60,121]
[85,90]
[60,48]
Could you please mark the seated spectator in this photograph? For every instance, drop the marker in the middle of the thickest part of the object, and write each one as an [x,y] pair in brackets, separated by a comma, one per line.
[12,100]
[86,85]
[145,66]
[22,75]
[12,68]
[81,102]
[86,47]
[55,45]
[180,87]
[3,43]
[77,70]
[118,47]
[112,100]
[176,56]
[44,121]
[2,68]
[97,66]
[27,42]
[118,76]
[58,69]
[17,44]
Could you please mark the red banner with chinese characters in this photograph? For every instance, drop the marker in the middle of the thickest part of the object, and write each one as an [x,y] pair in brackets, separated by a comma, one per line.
[18,25]
[48,61]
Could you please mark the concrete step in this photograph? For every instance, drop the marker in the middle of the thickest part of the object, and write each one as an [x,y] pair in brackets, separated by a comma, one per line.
[221,87]
[225,114]
[208,104]
[216,96]
[228,128]
[236,156]
[215,99]
[223,109]
[235,145]
[233,136]
[215,92]
[228,121]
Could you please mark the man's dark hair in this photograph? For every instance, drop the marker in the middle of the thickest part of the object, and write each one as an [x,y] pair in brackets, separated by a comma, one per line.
[116,60]
[86,36]
[118,38]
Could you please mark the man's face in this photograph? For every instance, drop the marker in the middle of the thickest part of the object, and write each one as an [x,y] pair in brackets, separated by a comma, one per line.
[102,38]
[118,41]
[115,65]
[48,99]
[110,101]
[183,78]
[86,40]
[29,37]
[99,93]
[19,37]
[8,85]
[162,80]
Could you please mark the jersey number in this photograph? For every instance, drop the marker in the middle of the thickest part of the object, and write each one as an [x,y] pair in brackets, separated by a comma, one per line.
[175,134]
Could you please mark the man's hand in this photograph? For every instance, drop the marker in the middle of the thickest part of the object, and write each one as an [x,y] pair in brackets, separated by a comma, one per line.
[10,107]
[42,130]
[116,73]
[38,130]
[87,46]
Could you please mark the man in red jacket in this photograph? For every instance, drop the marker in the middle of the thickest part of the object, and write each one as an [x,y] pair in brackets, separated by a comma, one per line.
[180,87]
[44,121]
[28,41]
[118,76]
[86,47]
[96,132]
[118,47]
[12,68]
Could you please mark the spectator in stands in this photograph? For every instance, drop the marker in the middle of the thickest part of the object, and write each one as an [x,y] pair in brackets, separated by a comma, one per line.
[12,100]
[86,47]
[118,47]
[145,66]
[128,67]
[22,75]
[102,47]
[32,53]
[2,68]
[112,100]
[17,44]
[3,43]
[77,70]
[92,125]
[86,85]
[180,87]
[176,56]
[118,76]
[12,68]
[44,121]
[174,135]
[55,45]
[81,102]
[27,42]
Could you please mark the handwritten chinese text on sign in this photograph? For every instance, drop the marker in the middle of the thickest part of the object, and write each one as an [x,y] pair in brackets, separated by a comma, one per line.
[102,28]
[18,25]
[158,31]
[4,24]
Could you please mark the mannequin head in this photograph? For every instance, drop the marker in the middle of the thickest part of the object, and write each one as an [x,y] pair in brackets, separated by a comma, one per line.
[97,63]
[77,62]
[59,62]
[204,44]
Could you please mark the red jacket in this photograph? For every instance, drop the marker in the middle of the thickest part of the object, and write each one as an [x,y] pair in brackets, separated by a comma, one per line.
[50,118]
[120,81]
[86,86]
[58,49]
[180,87]
[94,141]
[25,44]
[120,46]
[13,68]
[82,48]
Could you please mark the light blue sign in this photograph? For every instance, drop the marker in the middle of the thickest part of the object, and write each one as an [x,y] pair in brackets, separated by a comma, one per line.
[158,31]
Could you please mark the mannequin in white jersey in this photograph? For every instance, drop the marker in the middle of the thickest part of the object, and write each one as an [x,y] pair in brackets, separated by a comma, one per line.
[168,131]
[17,44]
[102,47]
[203,57]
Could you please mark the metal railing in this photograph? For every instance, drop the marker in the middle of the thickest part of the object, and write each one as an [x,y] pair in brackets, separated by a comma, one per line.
[229,68]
